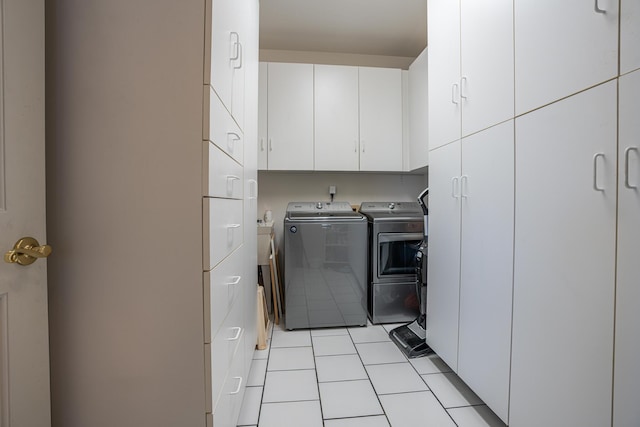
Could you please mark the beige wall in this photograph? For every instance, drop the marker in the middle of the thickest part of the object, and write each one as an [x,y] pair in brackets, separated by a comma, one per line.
[124,212]
[276,189]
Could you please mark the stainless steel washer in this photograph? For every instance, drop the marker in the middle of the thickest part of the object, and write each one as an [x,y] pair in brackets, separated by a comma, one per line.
[325,265]
[395,233]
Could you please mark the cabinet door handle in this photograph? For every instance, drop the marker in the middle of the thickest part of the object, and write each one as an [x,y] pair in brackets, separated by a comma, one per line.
[234,281]
[464,186]
[626,168]
[232,178]
[597,8]
[363,145]
[237,335]
[231,226]
[235,49]
[463,85]
[355,146]
[455,181]
[237,390]
[454,89]
[239,58]
[261,144]
[270,145]
[231,138]
[595,171]
[253,193]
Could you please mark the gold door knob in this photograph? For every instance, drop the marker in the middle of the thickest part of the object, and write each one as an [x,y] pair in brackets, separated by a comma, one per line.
[26,251]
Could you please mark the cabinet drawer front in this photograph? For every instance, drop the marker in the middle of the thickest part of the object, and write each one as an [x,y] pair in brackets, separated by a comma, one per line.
[225,345]
[223,175]
[224,284]
[224,227]
[228,409]
[223,130]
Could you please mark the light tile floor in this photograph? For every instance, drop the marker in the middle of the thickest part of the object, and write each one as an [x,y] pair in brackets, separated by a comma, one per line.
[354,377]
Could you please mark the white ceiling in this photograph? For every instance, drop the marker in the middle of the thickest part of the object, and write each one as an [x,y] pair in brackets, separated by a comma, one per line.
[368,27]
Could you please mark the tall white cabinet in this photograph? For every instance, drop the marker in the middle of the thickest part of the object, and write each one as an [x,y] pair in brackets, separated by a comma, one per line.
[564,269]
[562,48]
[418,106]
[230,158]
[471,67]
[627,343]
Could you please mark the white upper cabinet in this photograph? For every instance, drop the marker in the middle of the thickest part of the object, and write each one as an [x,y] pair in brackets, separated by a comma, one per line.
[470,67]
[262,116]
[290,116]
[486,82]
[629,36]
[336,118]
[443,25]
[227,70]
[419,112]
[380,119]
[563,47]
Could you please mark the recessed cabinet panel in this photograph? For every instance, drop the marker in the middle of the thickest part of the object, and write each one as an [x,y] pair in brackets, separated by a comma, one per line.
[223,130]
[562,47]
[564,266]
[336,118]
[224,175]
[627,354]
[290,116]
[223,229]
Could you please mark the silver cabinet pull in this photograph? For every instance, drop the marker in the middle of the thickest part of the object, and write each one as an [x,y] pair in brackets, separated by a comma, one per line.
[626,168]
[597,8]
[253,193]
[239,58]
[355,146]
[454,88]
[270,145]
[595,171]
[261,144]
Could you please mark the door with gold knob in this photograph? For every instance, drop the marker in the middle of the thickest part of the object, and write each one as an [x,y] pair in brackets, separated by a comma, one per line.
[24,349]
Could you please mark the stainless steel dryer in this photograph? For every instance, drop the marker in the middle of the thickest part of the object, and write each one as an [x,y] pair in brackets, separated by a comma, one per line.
[325,265]
[395,233]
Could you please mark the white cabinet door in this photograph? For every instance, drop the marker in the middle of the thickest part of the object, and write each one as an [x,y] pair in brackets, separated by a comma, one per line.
[419,112]
[564,264]
[227,56]
[443,290]
[262,116]
[629,35]
[336,118]
[486,272]
[562,47]
[486,53]
[444,71]
[380,119]
[290,117]
[627,354]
